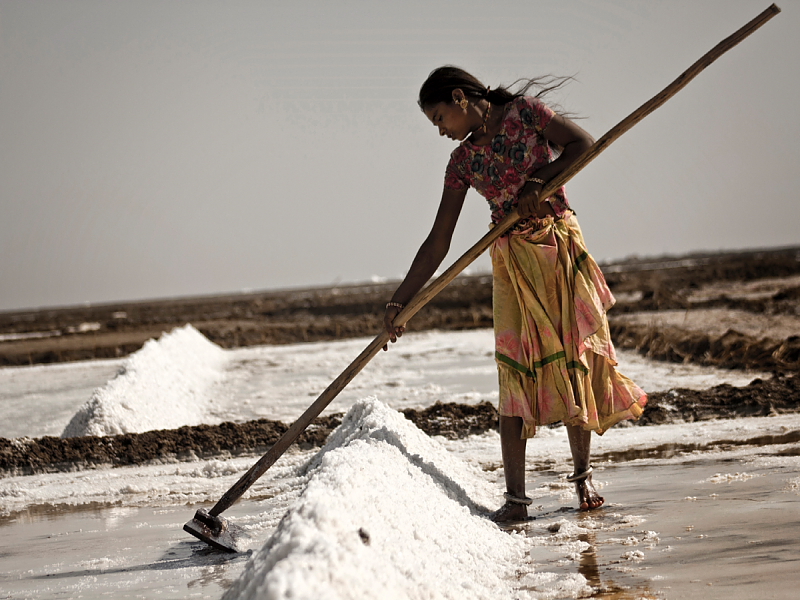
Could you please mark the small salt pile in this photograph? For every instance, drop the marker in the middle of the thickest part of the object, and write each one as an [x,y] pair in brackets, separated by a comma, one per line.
[163,385]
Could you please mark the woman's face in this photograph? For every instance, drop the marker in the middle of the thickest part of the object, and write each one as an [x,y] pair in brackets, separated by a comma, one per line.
[450,119]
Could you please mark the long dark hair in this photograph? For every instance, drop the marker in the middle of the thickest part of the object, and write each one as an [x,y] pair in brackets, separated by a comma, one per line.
[439,86]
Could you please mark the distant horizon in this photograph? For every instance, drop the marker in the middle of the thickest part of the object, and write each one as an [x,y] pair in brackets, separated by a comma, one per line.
[387,282]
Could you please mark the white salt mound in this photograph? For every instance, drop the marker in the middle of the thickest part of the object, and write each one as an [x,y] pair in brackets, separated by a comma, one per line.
[387,512]
[162,386]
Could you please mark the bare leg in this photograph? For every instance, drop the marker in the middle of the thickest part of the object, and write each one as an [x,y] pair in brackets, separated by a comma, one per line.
[580,442]
[513,450]
[513,447]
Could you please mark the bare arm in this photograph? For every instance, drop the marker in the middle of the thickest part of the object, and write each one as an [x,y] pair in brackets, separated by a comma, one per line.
[574,141]
[429,256]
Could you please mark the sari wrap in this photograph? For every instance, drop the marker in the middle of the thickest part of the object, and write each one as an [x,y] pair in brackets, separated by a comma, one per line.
[554,354]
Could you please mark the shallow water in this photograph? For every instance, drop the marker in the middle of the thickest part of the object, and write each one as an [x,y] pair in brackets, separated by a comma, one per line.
[725,523]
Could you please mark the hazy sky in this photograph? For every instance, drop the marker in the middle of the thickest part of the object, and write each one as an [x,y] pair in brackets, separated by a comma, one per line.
[156,149]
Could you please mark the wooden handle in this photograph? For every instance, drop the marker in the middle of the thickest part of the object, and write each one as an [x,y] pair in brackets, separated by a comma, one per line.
[426,294]
[300,425]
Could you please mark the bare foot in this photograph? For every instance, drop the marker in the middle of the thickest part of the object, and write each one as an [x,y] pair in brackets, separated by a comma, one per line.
[587,494]
[511,514]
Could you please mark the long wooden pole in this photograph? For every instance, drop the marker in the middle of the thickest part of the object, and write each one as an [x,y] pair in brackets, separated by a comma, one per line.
[426,294]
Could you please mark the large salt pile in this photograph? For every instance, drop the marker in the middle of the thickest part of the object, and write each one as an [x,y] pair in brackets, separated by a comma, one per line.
[162,386]
[388,513]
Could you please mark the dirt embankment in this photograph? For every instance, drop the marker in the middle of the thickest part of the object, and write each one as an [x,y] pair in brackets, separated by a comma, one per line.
[50,454]
[739,311]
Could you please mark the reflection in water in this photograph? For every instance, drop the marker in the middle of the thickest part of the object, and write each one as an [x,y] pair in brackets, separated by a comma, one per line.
[611,576]
[34,513]
[212,575]
[588,563]
[607,588]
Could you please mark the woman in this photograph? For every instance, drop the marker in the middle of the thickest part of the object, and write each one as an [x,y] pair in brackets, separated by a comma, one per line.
[553,349]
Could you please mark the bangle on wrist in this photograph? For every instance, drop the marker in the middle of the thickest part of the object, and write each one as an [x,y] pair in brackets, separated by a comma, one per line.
[541,182]
[396,305]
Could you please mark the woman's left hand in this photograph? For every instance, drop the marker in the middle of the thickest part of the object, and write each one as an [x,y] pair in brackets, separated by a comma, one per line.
[394,331]
[528,205]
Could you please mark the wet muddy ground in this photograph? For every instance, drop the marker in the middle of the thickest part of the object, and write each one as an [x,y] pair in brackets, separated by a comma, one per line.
[734,310]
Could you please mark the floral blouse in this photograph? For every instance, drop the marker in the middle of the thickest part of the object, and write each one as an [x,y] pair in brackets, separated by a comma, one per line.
[499,170]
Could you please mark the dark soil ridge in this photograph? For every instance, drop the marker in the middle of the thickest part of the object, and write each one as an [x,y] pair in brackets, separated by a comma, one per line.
[663,284]
[28,456]
[25,456]
[731,350]
[324,314]
[684,447]
[783,302]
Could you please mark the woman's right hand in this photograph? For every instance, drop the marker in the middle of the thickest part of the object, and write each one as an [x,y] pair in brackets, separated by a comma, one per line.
[429,256]
[394,331]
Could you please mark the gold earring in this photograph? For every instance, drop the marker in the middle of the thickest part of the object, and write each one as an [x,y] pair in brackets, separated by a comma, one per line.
[463,103]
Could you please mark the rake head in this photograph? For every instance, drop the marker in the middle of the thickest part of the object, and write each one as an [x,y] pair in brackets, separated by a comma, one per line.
[216,531]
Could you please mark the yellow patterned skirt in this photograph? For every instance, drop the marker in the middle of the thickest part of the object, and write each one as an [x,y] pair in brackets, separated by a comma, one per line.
[553,348]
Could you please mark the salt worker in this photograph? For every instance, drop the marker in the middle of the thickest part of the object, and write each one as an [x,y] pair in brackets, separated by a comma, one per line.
[553,349]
